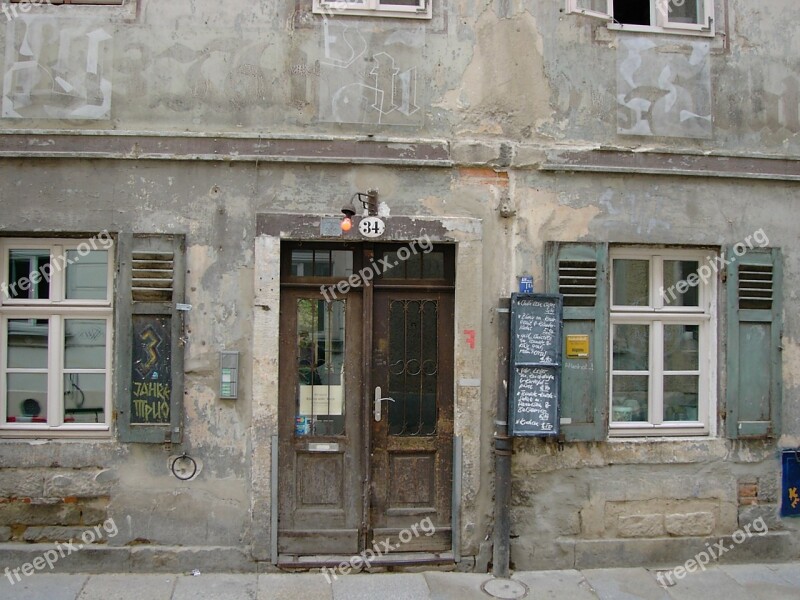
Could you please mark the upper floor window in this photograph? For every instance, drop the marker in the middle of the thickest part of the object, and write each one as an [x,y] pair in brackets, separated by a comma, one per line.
[670,16]
[55,335]
[413,9]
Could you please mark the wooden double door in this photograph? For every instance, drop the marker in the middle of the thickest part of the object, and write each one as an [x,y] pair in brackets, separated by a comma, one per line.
[366,402]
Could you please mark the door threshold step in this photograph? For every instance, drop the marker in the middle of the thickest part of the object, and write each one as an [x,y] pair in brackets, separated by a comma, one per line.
[291,561]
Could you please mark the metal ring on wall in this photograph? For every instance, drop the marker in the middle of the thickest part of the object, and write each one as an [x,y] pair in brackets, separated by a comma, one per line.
[184,456]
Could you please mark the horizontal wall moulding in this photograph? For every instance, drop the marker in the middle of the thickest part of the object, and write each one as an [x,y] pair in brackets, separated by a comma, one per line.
[429,153]
[664,163]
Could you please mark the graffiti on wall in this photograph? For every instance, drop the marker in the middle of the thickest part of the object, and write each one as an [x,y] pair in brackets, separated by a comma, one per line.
[57,68]
[663,93]
[370,77]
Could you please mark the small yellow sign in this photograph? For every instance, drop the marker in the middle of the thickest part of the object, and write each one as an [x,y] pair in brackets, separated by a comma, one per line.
[577,346]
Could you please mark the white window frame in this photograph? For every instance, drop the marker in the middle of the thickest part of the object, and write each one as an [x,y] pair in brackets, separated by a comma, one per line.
[659,18]
[56,309]
[372,8]
[656,315]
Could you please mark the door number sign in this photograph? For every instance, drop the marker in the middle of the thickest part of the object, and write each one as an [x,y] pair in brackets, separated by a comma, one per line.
[371,227]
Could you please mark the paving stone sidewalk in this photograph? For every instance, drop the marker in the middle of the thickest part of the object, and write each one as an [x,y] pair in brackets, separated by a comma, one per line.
[726,582]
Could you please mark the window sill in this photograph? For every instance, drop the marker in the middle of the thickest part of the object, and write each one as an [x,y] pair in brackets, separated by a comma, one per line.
[8,433]
[657,435]
[706,33]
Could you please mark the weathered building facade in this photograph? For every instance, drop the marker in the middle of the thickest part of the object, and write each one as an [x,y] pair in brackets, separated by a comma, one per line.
[191,159]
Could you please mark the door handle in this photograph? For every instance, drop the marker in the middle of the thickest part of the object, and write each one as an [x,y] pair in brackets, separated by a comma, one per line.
[377,403]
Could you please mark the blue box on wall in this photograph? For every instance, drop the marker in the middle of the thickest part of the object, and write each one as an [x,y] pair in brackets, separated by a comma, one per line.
[790,502]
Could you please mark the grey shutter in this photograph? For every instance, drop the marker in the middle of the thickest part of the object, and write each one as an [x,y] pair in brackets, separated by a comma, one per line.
[579,271]
[149,346]
[754,323]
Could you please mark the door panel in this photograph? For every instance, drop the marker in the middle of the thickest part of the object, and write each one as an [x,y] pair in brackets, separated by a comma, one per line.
[320,437]
[411,446]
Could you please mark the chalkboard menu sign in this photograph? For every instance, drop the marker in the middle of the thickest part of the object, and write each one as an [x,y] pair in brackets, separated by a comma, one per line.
[535,365]
[151,372]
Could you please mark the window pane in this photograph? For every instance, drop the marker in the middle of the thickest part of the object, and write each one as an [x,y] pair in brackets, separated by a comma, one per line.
[681,273]
[87,275]
[631,282]
[29,274]
[84,344]
[685,11]
[320,356]
[680,397]
[26,398]
[600,6]
[631,347]
[629,398]
[27,343]
[84,397]
[632,12]
[680,347]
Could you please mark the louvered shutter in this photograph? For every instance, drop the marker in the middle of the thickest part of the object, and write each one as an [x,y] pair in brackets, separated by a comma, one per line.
[149,344]
[754,324]
[579,271]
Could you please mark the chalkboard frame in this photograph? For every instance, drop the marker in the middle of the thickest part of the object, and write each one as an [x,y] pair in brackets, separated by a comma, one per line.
[517,362]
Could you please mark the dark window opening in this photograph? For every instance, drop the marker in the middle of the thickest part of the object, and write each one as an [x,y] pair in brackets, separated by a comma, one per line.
[632,12]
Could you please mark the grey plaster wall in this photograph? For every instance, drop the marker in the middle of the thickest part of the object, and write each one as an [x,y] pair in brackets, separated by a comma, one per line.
[518,70]
[500,82]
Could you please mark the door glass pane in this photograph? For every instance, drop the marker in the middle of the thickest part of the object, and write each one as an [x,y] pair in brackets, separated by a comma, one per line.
[629,396]
[87,275]
[27,343]
[413,367]
[29,274]
[26,400]
[681,275]
[84,397]
[412,264]
[85,344]
[320,367]
[433,265]
[681,397]
[322,263]
[680,347]
[631,282]
[631,347]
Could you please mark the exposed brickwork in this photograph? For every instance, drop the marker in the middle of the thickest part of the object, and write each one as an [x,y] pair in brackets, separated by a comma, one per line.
[45,519]
[748,493]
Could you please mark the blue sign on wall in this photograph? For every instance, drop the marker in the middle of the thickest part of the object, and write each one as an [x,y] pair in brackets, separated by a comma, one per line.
[526,285]
[790,503]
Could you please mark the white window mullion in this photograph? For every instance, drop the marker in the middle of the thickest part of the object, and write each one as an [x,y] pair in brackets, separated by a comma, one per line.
[657,373]
[58,279]
[109,354]
[55,369]
[656,282]
[3,366]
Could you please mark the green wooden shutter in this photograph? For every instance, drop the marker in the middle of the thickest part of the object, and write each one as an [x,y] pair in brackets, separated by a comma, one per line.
[579,271]
[754,316]
[149,345]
